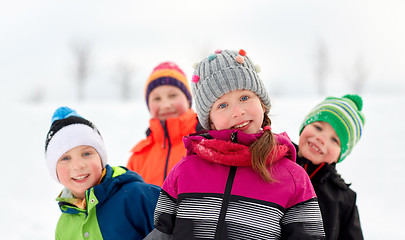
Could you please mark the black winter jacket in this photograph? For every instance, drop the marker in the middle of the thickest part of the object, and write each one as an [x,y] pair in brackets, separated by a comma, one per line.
[336,201]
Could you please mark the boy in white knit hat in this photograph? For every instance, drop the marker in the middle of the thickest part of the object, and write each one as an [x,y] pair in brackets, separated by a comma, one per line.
[98,201]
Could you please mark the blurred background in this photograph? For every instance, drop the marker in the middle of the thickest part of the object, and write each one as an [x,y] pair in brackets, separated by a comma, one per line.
[105,50]
[95,57]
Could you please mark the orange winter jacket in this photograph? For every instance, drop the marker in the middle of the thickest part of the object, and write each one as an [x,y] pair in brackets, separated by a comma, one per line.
[155,156]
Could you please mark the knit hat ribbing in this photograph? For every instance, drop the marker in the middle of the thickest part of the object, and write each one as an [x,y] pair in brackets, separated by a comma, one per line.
[344,115]
[69,130]
[167,73]
[220,73]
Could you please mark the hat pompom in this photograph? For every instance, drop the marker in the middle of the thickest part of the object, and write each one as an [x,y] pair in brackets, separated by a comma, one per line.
[168,65]
[257,68]
[356,99]
[64,112]
[195,78]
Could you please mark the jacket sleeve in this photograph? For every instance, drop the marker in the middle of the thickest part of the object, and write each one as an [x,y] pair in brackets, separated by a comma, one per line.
[158,235]
[302,218]
[165,213]
[148,199]
[303,221]
[133,164]
[136,162]
[351,228]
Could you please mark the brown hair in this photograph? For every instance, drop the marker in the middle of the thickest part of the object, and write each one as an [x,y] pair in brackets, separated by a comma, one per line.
[261,149]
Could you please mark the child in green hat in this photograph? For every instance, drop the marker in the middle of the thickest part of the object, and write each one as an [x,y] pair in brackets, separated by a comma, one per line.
[327,136]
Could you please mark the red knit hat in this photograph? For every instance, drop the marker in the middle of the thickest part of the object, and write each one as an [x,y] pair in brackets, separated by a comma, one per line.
[167,73]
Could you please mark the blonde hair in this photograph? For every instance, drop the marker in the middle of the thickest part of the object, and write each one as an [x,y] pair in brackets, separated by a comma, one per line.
[264,150]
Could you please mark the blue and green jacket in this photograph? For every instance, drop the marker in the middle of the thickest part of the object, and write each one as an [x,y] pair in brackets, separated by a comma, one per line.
[121,206]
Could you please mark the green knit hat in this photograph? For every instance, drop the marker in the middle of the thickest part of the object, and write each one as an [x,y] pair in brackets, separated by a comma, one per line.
[344,115]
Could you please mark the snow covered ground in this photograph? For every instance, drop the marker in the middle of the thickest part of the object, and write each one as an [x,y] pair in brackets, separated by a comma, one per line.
[28,209]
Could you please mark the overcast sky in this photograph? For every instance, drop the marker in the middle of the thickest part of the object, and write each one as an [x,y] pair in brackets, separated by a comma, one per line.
[281,36]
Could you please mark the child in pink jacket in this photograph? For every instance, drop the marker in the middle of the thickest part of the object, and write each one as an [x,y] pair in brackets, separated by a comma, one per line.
[239,180]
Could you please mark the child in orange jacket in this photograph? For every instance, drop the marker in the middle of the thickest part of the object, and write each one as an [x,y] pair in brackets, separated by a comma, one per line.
[168,98]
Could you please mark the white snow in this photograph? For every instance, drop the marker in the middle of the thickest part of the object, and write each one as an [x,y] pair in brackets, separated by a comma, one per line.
[28,209]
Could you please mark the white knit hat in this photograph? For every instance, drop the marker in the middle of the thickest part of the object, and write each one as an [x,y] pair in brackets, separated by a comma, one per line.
[69,130]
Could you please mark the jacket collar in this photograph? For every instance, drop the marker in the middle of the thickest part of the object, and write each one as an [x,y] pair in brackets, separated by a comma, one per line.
[231,147]
[175,128]
[111,180]
[317,173]
[66,195]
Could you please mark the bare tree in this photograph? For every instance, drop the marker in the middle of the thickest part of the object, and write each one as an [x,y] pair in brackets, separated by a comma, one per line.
[81,52]
[322,67]
[125,72]
[36,95]
[359,75]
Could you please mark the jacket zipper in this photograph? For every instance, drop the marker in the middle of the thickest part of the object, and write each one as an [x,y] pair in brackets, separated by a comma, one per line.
[315,171]
[168,151]
[221,232]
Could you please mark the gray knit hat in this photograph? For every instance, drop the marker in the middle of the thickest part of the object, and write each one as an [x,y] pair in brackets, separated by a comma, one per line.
[220,73]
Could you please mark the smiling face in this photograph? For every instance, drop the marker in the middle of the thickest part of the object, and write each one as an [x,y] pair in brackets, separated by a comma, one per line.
[79,169]
[167,101]
[239,109]
[319,143]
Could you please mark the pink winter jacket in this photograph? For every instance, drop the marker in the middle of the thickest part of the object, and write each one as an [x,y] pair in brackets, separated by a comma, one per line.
[215,193]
